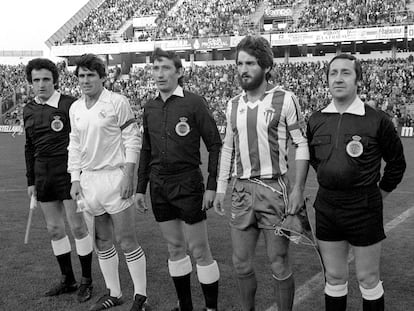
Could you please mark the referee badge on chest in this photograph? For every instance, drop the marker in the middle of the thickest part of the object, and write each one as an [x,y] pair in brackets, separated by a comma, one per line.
[56,124]
[354,148]
[182,128]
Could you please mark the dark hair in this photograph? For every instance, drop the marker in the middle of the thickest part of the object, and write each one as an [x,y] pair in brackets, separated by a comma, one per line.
[91,62]
[159,53]
[258,47]
[357,65]
[42,63]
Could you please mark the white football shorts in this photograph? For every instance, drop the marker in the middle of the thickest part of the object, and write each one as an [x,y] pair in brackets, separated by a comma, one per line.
[101,190]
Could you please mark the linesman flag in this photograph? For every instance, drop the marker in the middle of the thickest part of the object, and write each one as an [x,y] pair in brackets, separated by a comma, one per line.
[33,203]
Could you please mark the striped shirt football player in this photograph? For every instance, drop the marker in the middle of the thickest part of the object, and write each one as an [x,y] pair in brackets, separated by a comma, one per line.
[264,128]
[260,122]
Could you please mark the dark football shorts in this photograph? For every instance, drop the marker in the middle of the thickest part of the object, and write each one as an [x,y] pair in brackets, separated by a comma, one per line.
[52,180]
[352,215]
[178,196]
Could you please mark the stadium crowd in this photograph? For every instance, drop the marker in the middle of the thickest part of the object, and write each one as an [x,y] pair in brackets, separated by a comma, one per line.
[387,84]
[186,19]
[335,14]
[110,16]
[201,18]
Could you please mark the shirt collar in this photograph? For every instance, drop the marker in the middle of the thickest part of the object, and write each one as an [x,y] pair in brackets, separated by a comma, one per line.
[105,96]
[269,89]
[177,92]
[53,100]
[357,108]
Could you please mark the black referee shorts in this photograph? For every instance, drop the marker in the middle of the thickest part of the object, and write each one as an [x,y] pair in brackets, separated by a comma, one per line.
[178,196]
[52,180]
[351,215]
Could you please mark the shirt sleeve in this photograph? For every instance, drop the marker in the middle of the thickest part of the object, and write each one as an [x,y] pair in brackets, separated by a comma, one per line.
[226,154]
[144,159]
[29,152]
[130,135]
[297,127]
[74,151]
[211,137]
[309,135]
[393,155]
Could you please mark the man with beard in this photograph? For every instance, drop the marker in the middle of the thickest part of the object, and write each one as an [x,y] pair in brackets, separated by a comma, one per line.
[259,122]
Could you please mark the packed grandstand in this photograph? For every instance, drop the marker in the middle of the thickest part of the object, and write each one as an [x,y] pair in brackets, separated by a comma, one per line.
[387,82]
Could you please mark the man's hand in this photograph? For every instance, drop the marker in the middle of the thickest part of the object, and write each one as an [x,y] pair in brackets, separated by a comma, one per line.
[208,199]
[76,190]
[127,183]
[140,205]
[31,191]
[296,201]
[127,187]
[218,204]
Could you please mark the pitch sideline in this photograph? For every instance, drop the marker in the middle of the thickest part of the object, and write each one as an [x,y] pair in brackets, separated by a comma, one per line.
[304,291]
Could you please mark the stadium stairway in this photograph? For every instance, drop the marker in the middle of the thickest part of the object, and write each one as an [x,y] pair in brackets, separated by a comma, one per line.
[118,36]
[410,5]
[256,17]
[63,31]
[297,10]
[175,7]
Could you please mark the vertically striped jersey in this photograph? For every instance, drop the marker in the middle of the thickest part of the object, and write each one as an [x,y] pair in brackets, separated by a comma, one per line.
[258,134]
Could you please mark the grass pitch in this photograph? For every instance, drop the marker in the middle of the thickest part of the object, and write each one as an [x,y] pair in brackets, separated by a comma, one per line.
[27,271]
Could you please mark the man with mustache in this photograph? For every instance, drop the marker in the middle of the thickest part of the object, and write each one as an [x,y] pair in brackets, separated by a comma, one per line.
[259,122]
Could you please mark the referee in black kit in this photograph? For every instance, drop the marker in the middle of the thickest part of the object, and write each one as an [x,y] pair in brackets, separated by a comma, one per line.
[47,125]
[173,124]
[347,141]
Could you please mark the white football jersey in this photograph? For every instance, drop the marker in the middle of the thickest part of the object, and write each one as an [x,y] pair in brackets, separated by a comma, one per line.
[104,136]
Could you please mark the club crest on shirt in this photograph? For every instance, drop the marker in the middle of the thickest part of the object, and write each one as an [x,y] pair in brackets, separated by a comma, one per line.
[182,128]
[102,114]
[56,124]
[269,114]
[354,148]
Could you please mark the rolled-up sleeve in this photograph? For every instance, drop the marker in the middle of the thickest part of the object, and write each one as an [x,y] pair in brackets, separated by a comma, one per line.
[226,155]
[297,128]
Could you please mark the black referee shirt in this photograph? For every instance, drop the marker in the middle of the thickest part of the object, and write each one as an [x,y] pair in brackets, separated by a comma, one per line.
[171,138]
[47,132]
[330,136]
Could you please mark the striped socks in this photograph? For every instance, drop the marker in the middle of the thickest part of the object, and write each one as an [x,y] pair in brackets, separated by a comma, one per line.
[109,261]
[136,262]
